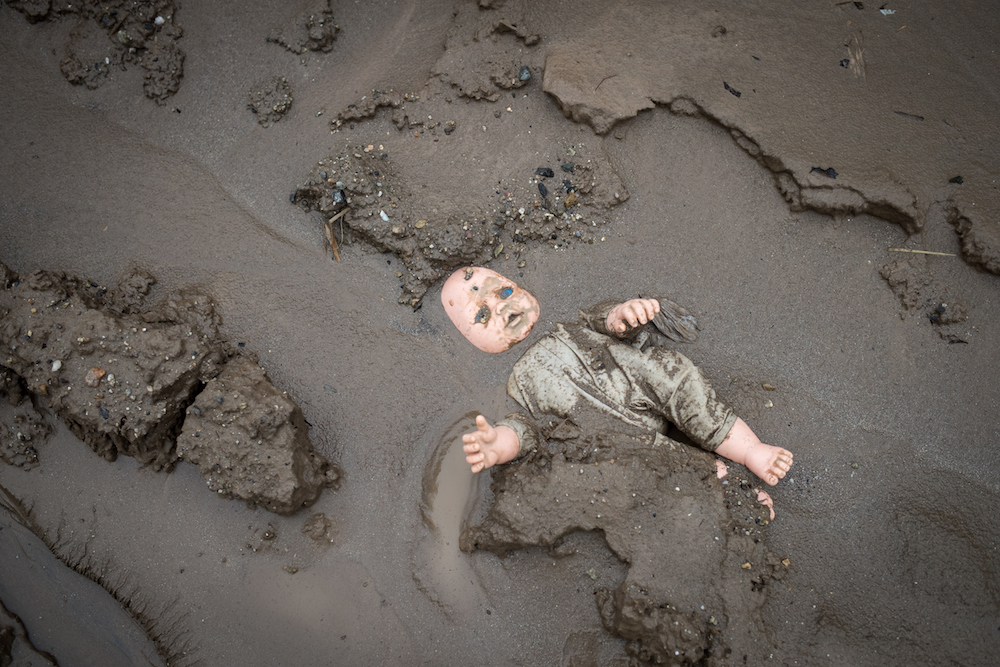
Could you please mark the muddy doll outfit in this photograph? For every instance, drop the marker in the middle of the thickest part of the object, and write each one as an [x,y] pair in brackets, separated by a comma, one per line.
[591,379]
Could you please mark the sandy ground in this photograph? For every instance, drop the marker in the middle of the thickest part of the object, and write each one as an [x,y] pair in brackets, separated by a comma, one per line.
[888,518]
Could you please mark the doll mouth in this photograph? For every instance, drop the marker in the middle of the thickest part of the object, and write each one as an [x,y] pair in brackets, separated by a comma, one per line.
[513,319]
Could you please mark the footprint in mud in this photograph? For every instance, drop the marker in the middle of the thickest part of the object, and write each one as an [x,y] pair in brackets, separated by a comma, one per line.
[449,495]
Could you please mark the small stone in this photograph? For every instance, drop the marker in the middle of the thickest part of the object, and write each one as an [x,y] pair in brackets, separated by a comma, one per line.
[745,566]
[420,224]
[768,387]
[397,230]
[290,570]
[94,376]
[524,74]
[769,404]
[56,365]
[571,199]
[568,167]
[449,127]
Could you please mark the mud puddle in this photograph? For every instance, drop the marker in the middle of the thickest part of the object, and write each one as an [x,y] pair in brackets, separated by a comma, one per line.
[450,495]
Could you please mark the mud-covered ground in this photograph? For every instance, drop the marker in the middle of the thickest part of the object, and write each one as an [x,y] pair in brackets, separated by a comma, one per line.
[765,166]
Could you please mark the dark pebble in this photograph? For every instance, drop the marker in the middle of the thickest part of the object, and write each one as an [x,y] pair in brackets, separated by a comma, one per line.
[104,412]
[241,344]
[544,172]
[322,175]
[845,62]
[338,197]
[291,197]
[219,399]
[524,74]
[957,180]
[196,411]
[568,167]
[568,186]
[542,190]
[731,89]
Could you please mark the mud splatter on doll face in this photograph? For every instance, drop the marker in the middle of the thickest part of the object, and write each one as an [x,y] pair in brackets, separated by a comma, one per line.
[488,308]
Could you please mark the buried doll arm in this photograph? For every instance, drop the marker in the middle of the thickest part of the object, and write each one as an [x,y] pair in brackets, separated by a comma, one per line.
[488,445]
[766,461]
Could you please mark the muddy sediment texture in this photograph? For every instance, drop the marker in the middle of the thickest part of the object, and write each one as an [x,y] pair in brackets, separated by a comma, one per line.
[920,292]
[113,35]
[270,100]
[698,563]
[561,200]
[917,153]
[251,442]
[119,383]
[122,382]
[312,30]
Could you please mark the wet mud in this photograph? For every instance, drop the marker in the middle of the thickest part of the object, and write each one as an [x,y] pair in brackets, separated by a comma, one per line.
[270,100]
[699,565]
[744,160]
[116,35]
[362,196]
[312,30]
[158,385]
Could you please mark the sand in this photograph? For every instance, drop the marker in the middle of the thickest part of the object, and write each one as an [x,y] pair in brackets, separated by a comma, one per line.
[753,163]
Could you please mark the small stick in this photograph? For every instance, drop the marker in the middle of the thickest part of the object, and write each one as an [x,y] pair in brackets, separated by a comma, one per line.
[923,252]
[328,238]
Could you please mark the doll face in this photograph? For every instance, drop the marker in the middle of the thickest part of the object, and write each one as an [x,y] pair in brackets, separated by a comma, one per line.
[488,309]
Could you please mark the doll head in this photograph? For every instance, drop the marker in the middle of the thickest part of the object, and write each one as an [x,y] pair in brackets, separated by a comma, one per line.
[488,309]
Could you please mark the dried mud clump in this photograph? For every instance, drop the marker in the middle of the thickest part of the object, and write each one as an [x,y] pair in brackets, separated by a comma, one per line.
[251,442]
[359,191]
[270,100]
[122,378]
[120,383]
[110,35]
[486,53]
[698,564]
[361,197]
[312,30]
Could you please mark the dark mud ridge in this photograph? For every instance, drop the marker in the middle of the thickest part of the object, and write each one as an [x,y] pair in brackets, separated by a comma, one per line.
[159,385]
[113,35]
[699,567]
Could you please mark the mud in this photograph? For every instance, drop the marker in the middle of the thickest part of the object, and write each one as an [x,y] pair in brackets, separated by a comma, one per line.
[714,113]
[312,30]
[559,203]
[270,100]
[116,35]
[251,442]
[158,385]
[698,564]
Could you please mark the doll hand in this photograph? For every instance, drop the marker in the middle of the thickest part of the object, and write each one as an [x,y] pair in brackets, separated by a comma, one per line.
[631,314]
[488,446]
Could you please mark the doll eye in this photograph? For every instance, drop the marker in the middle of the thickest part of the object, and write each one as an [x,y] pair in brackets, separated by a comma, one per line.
[483,316]
[506,292]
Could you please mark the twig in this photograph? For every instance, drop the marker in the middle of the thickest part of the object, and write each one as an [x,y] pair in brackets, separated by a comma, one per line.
[923,252]
[328,234]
